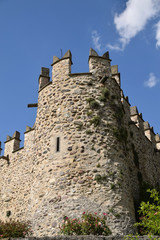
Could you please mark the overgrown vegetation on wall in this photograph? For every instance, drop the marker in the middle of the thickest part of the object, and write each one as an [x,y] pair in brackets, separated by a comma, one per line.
[15,229]
[89,224]
[150,215]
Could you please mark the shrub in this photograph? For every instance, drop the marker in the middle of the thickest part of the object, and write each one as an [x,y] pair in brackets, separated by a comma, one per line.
[105,95]
[95,120]
[89,100]
[89,113]
[150,214]
[93,103]
[113,186]
[102,98]
[89,224]
[89,132]
[14,229]
[119,112]
[121,134]
[100,178]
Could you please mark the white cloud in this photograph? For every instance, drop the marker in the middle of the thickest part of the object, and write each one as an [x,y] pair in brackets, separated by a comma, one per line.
[152,81]
[158,34]
[96,40]
[115,47]
[133,20]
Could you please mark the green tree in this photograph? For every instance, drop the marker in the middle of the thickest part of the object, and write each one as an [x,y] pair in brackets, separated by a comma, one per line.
[150,214]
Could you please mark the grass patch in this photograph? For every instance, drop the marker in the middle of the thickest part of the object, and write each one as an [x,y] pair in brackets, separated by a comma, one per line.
[121,134]
[95,120]
[93,103]
[89,132]
[105,95]
[100,178]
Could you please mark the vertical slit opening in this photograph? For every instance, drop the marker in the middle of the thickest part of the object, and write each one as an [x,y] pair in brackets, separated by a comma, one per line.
[58,144]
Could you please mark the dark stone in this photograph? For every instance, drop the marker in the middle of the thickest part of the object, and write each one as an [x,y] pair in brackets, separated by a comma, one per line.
[106,55]
[92,52]
[69,148]
[45,71]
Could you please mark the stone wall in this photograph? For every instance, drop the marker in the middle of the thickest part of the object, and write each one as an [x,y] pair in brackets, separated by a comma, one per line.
[89,237]
[88,151]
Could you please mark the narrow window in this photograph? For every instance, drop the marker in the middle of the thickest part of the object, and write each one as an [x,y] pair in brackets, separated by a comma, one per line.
[58,144]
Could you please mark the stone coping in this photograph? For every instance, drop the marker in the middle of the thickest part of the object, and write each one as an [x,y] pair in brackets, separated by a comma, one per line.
[44,86]
[79,74]
[17,149]
[12,139]
[58,60]
[91,56]
[29,130]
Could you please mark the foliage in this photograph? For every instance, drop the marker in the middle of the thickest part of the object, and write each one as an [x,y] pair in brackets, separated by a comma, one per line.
[119,112]
[89,100]
[131,237]
[105,92]
[89,132]
[98,165]
[89,113]
[89,224]
[121,134]
[92,103]
[112,186]
[14,229]
[100,178]
[95,120]
[150,214]
[105,95]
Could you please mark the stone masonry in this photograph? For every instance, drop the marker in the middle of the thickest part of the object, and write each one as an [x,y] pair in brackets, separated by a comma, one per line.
[87,151]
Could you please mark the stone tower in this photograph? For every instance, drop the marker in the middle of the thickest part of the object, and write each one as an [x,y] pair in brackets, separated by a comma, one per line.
[88,151]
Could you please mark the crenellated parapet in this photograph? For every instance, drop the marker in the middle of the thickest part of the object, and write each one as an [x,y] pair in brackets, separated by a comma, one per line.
[61,67]
[157,139]
[136,117]
[149,132]
[144,126]
[116,74]
[126,106]
[99,65]
[12,143]
[44,77]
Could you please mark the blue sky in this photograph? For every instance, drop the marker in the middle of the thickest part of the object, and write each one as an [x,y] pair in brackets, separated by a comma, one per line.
[32,31]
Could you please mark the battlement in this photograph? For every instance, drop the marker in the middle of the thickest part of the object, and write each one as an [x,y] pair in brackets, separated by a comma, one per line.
[44,77]
[61,67]
[12,143]
[99,66]
[89,150]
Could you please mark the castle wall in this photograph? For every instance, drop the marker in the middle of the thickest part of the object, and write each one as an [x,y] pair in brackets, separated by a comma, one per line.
[16,181]
[87,152]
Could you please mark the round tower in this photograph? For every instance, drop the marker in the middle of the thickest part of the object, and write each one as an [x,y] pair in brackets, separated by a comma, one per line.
[80,141]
